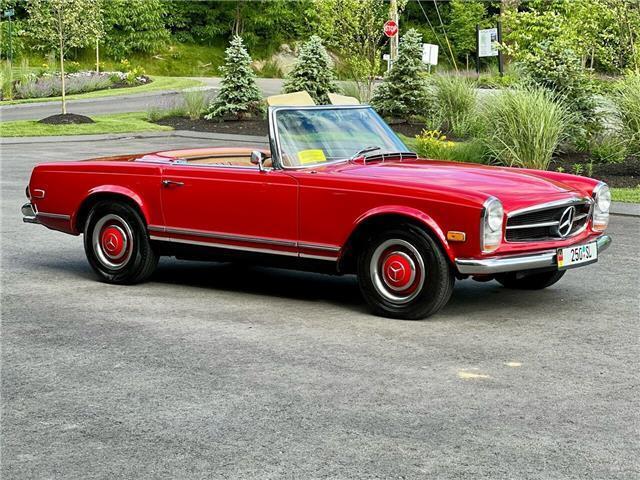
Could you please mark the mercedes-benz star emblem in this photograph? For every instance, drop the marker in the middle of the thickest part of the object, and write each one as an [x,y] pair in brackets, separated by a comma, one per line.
[565,225]
[395,271]
[112,242]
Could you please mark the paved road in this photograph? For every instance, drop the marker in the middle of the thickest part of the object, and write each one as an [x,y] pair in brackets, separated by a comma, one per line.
[120,104]
[211,372]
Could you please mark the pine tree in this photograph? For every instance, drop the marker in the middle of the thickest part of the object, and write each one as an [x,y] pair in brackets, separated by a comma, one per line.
[312,72]
[239,95]
[404,91]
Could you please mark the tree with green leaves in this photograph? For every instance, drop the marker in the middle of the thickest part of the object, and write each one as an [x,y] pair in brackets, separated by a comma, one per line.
[239,95]
[404,92]
[312,72]
[464,16]
[60,25]
[353,28]
[134,26]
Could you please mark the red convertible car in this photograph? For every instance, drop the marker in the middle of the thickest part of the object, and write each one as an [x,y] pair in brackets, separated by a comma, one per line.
[337,192]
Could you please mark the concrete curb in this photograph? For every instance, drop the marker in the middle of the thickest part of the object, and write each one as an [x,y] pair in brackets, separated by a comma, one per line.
[121,136]
[625,209]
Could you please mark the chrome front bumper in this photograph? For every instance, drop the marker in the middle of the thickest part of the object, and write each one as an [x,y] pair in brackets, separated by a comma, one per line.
[514,263]
[29,214]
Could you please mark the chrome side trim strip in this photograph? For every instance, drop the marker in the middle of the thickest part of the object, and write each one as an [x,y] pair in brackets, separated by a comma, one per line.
[513,263]
[223,245]
[318,257]
[245,238]
[315,246]
[58,216]
[221,236]
[545,206]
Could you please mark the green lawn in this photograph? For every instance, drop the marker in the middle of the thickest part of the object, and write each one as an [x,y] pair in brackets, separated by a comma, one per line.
[159,83]
[628,195]
[119,123]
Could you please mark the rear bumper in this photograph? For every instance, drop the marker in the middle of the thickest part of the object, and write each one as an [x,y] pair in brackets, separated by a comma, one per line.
[514,263]
[29,214]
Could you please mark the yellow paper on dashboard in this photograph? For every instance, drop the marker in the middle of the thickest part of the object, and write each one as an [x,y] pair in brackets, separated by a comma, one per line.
[311,156]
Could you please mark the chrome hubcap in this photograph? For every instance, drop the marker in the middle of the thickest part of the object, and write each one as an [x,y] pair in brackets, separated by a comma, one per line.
[397,271]
[112,241]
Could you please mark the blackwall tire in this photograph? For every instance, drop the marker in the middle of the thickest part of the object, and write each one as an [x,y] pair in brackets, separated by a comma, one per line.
[117,245]
[403,273]
[533,281]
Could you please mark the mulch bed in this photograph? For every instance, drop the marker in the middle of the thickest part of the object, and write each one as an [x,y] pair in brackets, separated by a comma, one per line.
[65,119]
[621,175]
[626,174]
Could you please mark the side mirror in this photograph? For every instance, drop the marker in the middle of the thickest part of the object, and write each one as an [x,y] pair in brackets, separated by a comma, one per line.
[258,158]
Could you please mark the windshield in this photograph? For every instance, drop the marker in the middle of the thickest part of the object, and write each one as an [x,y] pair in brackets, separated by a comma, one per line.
[315,136]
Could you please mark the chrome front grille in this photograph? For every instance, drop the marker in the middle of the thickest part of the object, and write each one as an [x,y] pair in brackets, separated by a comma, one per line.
[551,221]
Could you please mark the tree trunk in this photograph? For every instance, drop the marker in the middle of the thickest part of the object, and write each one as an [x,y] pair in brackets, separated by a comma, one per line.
[97,54]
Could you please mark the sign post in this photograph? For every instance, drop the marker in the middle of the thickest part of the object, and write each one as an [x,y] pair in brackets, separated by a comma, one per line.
[10,12]
[429,54]
[487,45]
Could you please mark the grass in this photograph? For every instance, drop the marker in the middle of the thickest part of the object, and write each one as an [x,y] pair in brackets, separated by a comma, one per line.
[627,195]
[523,127]
[455,102]
[159,83]
[119,123]
[627,99]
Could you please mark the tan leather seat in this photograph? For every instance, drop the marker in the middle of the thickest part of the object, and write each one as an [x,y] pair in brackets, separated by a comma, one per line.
[222,156]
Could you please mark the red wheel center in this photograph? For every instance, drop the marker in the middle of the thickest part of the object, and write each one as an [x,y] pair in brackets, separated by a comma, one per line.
[397,270]
[113,241]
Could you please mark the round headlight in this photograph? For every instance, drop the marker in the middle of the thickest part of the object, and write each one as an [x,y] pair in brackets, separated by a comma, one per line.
[603,198]
[495,212]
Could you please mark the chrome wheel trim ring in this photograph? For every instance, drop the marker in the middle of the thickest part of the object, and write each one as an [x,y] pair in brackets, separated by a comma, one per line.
[389,292]
[111,262]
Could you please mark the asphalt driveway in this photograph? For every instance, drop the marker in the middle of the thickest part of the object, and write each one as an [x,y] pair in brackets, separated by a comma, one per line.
[209,371]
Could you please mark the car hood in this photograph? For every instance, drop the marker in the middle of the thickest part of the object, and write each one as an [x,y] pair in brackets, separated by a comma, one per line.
[516,186]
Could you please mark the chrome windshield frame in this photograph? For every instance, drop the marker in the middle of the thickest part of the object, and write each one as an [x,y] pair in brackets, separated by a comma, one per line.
[274,134]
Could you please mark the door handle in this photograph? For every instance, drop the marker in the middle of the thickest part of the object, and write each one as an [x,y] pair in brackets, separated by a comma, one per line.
[172,183]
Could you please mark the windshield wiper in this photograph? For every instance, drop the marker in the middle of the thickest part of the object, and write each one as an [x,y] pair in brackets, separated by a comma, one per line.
[364,150]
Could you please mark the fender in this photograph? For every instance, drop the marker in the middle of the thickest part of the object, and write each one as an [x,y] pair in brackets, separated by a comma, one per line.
[412,213]
[116,190]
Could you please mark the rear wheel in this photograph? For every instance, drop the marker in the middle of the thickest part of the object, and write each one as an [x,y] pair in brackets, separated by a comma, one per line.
[404,274]
[530,281]
[117,245]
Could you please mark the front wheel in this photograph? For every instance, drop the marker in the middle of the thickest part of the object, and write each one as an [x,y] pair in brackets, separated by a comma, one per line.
[404,274]
[530,281]
[117,245]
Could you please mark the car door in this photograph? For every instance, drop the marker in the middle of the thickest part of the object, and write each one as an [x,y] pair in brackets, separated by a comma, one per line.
[241,208]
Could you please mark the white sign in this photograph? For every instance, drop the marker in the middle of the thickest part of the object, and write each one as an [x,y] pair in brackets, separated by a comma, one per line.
[488,42]
[429,54]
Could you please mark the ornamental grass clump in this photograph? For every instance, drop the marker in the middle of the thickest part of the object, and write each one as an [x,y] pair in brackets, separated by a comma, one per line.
[239,95]
[627,100]
[312,72]
[404,92]
[524,127]
[454,105]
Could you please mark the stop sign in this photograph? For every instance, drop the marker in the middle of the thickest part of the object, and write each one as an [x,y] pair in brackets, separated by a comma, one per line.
[390,28]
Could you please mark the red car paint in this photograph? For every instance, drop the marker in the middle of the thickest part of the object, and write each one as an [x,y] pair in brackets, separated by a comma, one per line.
[309,212]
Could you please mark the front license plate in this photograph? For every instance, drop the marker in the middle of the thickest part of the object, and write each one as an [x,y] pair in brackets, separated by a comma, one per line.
[577,255]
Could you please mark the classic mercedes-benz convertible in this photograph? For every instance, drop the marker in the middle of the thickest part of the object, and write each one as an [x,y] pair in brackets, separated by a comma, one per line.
[336,192]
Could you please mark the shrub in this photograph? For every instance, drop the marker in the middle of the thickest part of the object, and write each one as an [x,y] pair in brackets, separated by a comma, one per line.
[433,144]
[312,72]
[558,68]
[454,104]
[404,92]
[627,100]
[239,95]
[609,148]
[524,127]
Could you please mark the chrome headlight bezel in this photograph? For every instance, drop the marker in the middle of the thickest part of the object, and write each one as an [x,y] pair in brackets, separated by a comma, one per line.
[491,225]
[601,206]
